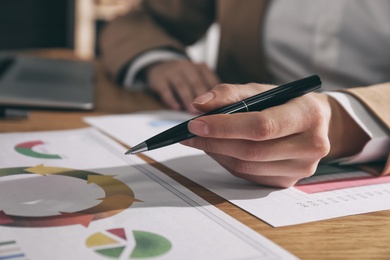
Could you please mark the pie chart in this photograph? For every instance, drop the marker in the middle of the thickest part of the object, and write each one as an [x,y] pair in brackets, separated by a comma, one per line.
[114,244]
[41,197]
[27,148]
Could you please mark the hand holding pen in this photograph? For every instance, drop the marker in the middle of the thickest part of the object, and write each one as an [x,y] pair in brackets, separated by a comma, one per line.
[279,145]
[267,99]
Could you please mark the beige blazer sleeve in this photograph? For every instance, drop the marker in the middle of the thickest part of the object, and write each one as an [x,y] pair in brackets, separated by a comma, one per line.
[377,100]
[152,25]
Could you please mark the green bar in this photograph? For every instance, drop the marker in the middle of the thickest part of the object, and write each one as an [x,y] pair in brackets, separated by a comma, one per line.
[7,243]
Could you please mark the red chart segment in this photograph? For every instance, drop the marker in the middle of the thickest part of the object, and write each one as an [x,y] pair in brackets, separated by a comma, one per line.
[119,232]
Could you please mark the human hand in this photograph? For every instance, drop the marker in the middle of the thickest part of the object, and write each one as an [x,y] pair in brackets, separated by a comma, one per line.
[277,146]
[179,82]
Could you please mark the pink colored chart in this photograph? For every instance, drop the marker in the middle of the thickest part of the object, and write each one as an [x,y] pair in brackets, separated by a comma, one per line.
[329,185]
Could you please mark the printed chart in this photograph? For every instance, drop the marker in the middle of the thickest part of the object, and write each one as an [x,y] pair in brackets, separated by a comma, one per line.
[28,208]
[113,243]
[27,148]
[11,250]
[96,203]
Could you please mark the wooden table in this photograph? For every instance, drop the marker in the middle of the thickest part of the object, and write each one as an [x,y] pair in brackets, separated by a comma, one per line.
[364,236]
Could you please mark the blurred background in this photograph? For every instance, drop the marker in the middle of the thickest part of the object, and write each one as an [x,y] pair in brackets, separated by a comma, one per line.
[66,24]
[75,25]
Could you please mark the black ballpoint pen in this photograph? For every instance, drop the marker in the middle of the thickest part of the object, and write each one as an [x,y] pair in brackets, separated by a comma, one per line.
[267,99]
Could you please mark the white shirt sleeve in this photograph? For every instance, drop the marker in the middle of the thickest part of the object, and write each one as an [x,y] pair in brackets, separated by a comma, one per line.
[145,60]
[379,145]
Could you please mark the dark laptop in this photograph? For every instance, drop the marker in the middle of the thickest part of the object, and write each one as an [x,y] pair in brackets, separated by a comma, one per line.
[32,82]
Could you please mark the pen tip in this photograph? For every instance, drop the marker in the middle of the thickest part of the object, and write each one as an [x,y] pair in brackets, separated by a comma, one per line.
[128,152]
[142,147]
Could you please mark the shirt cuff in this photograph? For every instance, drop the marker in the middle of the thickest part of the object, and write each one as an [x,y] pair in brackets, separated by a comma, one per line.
[143,61]
[379,145]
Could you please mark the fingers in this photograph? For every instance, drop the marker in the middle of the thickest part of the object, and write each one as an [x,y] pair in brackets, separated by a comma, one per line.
[199,77]
[280,174]
[163,88]
[226,94]
[290,118]
[277,146]
[179,82]
[292,147]
[183,91]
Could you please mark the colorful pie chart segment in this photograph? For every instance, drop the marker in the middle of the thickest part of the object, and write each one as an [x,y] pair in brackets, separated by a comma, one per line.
[113,244]
[26,148]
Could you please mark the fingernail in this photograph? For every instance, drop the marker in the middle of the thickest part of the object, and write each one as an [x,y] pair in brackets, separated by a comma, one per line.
[198,127]
[202,99]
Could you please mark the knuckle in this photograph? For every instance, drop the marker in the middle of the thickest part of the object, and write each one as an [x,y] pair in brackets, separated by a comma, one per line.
[262,128]
[230,92]
[317,114]
[223,88]
[320,146]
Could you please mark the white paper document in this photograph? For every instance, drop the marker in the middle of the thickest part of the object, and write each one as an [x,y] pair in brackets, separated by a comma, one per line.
[74,195]
[320,197]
